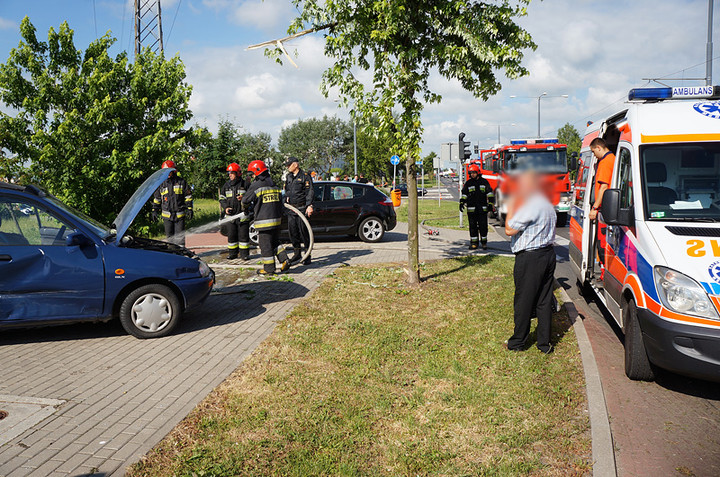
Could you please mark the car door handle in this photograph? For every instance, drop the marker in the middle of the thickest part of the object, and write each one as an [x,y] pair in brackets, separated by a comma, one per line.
[5,258]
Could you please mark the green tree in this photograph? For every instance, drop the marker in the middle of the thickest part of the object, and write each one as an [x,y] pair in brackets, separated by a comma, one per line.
[93,127]
[402,42]
[373,153]
[428,162]
[569,135]
[319,143]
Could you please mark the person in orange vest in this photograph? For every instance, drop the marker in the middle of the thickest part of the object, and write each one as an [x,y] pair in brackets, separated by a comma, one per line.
[604,168]
[174,203]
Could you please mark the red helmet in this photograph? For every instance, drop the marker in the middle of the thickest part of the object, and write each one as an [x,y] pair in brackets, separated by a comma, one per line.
[168,164]
[233,167]
[474,168]
[257,167]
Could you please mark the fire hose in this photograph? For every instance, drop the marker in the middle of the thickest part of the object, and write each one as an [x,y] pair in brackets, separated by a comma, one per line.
[309,229]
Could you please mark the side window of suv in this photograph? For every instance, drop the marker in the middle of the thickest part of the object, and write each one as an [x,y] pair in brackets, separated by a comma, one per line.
[25,224]
[318,189]
[341,192]
[358,191]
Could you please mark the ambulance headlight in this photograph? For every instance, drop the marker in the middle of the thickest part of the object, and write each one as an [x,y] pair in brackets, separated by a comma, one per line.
[682,294]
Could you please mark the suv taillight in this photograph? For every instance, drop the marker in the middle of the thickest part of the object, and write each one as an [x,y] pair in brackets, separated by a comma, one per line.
[386,201]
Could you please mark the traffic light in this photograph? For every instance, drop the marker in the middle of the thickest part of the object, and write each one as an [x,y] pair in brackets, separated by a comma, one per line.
[476,148]
[463,148]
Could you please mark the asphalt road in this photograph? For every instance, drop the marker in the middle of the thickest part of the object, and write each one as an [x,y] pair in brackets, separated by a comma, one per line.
[451,187]
[670,427]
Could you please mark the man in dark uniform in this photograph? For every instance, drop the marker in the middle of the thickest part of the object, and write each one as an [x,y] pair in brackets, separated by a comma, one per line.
[231,194]
[477,194]
[173,199]
[299,193]
[268,216]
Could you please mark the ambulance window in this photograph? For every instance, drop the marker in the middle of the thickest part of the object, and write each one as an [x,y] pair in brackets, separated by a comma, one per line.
[624,179]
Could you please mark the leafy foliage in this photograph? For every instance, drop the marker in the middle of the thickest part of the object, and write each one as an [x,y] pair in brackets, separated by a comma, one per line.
[208,164]
[402,42]
[319,143]
[569,135]
[93,127]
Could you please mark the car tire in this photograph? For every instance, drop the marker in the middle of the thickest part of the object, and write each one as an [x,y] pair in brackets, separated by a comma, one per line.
[371,230]
[150,311]
[637,364]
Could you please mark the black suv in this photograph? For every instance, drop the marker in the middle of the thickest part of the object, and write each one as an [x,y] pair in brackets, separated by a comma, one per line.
[348,208]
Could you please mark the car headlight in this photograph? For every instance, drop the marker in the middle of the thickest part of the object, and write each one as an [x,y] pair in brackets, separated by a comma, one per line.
[203,268]
[682,294]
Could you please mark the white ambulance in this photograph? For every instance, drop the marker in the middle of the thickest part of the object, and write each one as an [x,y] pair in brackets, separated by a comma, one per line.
[653,257]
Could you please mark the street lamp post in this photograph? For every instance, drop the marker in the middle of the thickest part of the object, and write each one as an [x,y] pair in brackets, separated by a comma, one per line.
[544,95]
[498,126]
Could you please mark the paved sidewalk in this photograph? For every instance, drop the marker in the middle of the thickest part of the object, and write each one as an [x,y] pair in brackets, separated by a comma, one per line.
[123,395]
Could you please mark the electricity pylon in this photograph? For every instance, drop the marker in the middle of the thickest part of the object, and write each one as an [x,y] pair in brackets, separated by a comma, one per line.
[148,26]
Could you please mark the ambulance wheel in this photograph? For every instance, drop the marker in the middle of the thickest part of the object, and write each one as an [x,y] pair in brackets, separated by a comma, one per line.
[637,364]
[562,219]
[150,311]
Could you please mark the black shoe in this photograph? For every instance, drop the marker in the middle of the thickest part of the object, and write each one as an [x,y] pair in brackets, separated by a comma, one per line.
[297,256]
[548,351]
[473,246]
[307,261]
[232,257]
[484,246]
[244,258]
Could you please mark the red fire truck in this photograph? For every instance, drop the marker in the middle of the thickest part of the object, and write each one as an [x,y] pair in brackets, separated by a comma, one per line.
[546,156]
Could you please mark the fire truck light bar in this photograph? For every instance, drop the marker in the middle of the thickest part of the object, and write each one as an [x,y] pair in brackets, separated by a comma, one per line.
[533,141]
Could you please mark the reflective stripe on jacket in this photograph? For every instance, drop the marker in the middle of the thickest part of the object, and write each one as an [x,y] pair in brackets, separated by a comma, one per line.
[268,208]
[477,194]
[173,198]
[231,194]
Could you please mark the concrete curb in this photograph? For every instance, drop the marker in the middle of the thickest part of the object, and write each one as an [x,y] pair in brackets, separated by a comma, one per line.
[603,450]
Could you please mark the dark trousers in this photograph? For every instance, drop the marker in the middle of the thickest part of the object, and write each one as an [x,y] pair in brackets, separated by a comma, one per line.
[238,239]
[534,276]
[297,230]
[269,242]
[477,221]
[175,230]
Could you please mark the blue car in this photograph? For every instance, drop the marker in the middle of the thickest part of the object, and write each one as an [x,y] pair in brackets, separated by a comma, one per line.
[59,266]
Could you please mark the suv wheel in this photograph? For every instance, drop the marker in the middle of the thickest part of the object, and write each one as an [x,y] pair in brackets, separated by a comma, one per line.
[150,311]
[253,235]
[371,230]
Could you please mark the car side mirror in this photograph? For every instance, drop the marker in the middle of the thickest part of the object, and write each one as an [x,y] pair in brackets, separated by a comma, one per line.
[612,213]
[77,239]
[574,161]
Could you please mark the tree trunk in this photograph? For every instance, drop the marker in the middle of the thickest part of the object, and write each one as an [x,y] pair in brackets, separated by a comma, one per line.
[413,237]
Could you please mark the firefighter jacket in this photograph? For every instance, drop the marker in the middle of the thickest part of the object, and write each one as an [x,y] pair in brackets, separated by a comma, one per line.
[231,194]
[476,195]
[266,196]
[299,190]
[173,198]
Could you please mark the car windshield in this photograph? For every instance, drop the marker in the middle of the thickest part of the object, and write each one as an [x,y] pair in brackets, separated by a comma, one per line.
[549,162]
[681,181]
[101,230]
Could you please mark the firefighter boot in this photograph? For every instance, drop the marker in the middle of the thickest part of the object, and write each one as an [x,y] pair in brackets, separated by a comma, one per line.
[483,241]
[232,253]
[282,258]
[307,261]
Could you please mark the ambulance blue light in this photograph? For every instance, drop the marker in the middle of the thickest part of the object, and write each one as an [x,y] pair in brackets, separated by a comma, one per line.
[650,93]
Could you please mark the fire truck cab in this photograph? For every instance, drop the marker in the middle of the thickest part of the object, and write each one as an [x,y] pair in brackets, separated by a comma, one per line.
[545,156]
[653,255]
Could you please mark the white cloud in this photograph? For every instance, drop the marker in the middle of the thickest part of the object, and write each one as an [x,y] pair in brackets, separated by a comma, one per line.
[6,24]
[261,14]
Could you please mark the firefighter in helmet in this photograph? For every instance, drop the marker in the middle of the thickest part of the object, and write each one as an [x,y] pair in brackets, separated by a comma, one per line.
[477,196]
[173,201]
[268,216]
[231,194]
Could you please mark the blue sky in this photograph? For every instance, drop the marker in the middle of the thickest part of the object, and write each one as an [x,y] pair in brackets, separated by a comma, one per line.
[593,51]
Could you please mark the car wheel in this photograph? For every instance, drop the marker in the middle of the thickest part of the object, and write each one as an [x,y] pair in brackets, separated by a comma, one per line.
[253,235]
[371,230]
[150,311]
[637,364]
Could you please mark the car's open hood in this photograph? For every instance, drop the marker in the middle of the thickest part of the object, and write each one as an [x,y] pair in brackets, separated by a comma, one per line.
[133,206]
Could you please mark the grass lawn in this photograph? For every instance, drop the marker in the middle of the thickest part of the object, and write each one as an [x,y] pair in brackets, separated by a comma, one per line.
[204,210]
[371,377]
[444,215]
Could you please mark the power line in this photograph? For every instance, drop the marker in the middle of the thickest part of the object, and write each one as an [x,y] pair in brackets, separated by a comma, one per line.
[173,22]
